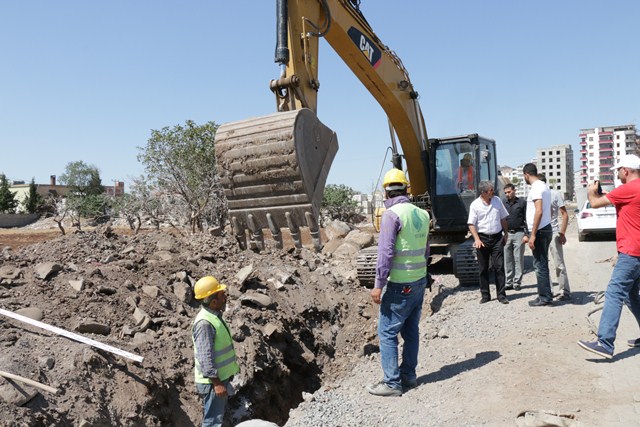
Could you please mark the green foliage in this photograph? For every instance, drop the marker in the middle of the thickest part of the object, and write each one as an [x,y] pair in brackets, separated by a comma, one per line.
[34,201]
[180,164]
[338,203]
[8,202]
[515,180]
[82,179]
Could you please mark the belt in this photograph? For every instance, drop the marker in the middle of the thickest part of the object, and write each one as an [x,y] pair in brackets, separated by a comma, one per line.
[490,235]
[513,230]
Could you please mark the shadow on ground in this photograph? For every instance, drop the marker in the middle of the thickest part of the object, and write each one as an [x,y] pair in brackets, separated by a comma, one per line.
[450,371]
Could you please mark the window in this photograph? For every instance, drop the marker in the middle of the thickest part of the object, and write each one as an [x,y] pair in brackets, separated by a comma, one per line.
[543,160]
[542,154]
[590,138]
[558,152]
[558,159]
[550,166]
[558,180]
[543,167]
[591,147]
[617,136]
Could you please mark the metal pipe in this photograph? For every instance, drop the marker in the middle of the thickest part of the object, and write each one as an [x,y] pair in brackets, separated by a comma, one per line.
[282,42]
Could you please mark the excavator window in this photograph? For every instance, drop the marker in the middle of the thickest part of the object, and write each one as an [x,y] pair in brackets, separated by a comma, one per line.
[455,165]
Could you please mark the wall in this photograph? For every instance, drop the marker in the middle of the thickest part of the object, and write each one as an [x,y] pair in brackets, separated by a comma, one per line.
[17,220]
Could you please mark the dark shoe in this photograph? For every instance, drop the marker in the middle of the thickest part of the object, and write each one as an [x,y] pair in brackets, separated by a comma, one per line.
[595,348]
[634,343]
[508,287]
[539,303]
[382,389]
[563,297]
[483,300]
[503,300]
[409,383]
[517,287]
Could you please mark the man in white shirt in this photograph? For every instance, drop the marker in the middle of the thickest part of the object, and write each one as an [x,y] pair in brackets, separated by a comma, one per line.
[559,221]
[539,233]
[489,228]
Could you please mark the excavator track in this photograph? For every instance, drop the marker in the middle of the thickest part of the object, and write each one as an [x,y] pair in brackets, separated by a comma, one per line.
[273,170]
[465,264]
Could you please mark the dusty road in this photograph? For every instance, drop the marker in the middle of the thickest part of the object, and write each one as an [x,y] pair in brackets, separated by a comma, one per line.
[485,364]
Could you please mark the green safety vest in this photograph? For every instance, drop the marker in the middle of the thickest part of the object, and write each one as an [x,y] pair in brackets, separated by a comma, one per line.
[224,357]
[409,263]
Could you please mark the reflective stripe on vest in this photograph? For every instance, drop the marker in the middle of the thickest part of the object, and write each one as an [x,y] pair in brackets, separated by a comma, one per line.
[224,356]
[409,263]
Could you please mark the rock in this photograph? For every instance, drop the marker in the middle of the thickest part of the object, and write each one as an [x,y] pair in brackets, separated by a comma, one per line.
[47,269]
[346,250]
[128,250]
[277,285]
[259,300]
[46,362]
[152,291]
[142,338]
[216,231]
[78,285]
[163,255]
[96,272]
[16,395]
[139,315]
[360,238]
[331,246]
[72,267]
[336,229]
[107,290]
[269,329]
[182,276]
[108,259]
[10,273]
[164,244]
[244,274]
[31,312]
[256,423]
[92,327]
[183,292]
[132,301]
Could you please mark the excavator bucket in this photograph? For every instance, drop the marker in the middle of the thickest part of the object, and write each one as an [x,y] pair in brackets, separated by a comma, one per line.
[273,170]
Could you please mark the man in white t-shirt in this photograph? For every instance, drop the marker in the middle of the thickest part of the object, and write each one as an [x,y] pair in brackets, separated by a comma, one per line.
[539,232]
[559,221]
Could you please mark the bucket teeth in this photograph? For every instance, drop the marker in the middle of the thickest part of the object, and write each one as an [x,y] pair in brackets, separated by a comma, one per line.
[275,231]
[293,229]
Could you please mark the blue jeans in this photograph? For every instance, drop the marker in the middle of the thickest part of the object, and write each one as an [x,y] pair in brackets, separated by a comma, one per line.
[213,405]
[623,288]
[400,311]
[541,262]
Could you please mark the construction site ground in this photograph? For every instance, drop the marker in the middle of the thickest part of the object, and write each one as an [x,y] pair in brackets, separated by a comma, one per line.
[306,336]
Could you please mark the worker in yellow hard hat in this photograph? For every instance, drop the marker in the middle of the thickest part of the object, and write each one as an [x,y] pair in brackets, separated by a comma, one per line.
[214,355]
[401,279]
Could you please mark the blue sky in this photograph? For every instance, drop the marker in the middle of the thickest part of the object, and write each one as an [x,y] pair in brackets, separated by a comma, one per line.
[88,80]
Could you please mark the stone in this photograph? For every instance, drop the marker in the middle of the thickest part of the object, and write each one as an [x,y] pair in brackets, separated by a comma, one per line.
[164,245]
[360,238]
[141,338]
[269,329]
[16,395]
[330,247]
[152,291]
[182,276]
[183,292]
[163,255]
[78,285]
[346,250]
[244,274]
[107,290]
[46,270]
[259,300]
[336,229]
[139,315]
[256,423]
[31,312]
[216,231]
[10,273]
[108,259]
[92,327]
[277,285]
[128,250]
[47,362]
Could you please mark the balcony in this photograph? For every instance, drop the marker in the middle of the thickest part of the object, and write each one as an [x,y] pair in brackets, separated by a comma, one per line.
[583,151]
[605,141]
[606,181]
[583,166]
[605,133]
[583,142]
[606,157]
[583,174]
[603,149]
[583,159]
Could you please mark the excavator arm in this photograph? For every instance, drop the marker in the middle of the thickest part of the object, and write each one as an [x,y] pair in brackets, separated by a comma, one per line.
[274,168]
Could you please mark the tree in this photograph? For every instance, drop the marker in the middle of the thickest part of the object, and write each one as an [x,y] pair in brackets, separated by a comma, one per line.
[86,193]
[8,202]
[34,201]
[180,165]
[82,179]
[338,203]
[515,180]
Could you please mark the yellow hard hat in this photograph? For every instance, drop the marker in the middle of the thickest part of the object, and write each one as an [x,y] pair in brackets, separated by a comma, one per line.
[394,176]
[206,286]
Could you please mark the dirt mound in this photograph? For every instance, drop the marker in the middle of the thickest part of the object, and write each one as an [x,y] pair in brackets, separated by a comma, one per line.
[296,315]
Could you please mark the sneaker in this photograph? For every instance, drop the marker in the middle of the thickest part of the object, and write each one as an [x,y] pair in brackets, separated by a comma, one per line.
[517,287]
[634,343]
[509,287]
[596,348]
[382,389]
[503,300]
[409,383]
[539,303]
[484,300]
[563,297]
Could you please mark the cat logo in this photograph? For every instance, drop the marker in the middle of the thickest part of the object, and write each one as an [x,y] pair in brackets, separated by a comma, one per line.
[366,46]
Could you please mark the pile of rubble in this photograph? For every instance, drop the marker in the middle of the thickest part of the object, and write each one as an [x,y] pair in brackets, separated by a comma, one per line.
[296,316]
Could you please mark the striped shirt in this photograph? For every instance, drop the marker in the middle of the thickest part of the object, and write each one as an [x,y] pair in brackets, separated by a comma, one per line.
[204,337]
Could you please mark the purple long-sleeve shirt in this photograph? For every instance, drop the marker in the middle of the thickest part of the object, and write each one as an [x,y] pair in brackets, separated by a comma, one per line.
[390,226]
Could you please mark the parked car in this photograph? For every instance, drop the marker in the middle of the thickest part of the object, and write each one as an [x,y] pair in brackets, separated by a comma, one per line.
[593,221]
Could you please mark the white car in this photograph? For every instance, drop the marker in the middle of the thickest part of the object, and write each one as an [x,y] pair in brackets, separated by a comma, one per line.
[596,221]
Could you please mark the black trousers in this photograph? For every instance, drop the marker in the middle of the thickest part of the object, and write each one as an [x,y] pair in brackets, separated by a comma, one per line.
[493,251]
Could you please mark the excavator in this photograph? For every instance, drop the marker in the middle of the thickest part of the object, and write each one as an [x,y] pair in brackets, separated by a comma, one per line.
[274,168]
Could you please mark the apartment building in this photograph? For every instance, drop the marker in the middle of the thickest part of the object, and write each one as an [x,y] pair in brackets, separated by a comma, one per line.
[556,163]
[600,148]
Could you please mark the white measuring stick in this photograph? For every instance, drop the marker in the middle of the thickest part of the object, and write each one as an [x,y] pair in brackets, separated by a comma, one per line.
[72,336]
